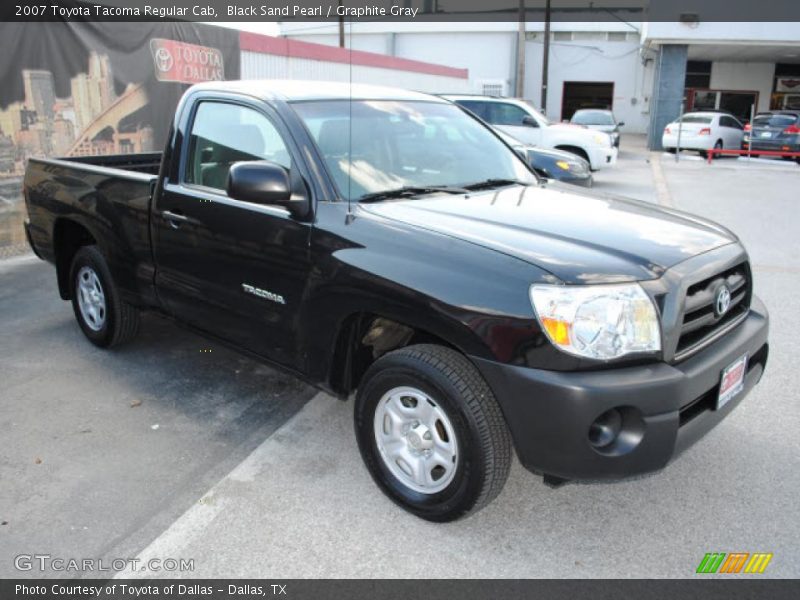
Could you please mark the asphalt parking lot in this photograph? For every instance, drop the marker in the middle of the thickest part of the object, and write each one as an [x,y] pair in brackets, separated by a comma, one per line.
[164,449]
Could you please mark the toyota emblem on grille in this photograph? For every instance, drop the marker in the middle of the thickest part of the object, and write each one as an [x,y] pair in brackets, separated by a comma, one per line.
[722,301]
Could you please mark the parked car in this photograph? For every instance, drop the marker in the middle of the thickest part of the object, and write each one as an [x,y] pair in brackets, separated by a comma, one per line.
[384,242]
[552,164]
[599,120]
[777,130]
[702,131]
[521,120]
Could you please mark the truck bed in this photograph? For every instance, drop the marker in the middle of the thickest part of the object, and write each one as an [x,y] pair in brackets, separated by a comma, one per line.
[104,198]
[147,163]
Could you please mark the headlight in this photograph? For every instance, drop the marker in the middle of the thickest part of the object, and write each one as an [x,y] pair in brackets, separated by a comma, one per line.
[602,138]
[597,321]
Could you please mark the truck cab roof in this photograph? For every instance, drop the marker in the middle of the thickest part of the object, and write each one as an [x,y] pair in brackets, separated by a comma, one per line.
[300,90]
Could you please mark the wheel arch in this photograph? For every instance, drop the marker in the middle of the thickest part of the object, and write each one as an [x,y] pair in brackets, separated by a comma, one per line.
[574,149]
[69,236]
[365,336]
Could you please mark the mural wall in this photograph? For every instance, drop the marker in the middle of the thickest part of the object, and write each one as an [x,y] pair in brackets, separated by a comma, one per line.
[80,89]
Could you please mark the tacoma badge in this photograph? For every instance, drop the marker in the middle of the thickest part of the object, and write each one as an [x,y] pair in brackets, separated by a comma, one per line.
[249,289]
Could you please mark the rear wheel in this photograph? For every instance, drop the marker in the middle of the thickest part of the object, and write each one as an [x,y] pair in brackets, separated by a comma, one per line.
[104,318]
[717,146]
[431,432]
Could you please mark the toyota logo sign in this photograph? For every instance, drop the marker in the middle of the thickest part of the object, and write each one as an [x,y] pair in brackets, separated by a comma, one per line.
[722,301]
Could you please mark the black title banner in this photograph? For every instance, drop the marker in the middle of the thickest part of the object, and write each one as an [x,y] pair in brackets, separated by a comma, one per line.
[387,589]
[685,11]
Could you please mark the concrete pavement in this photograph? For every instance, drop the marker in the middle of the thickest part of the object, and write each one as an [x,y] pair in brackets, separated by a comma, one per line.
[100,451]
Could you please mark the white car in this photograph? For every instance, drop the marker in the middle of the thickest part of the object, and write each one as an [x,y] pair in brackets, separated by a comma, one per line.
[521,120]
[703,131]
[599,120]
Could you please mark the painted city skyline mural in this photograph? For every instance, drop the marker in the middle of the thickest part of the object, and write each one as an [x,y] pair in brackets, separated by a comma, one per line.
[86,89]
[81,124]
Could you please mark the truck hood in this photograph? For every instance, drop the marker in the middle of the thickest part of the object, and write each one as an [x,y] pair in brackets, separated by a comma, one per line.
[603,128]
[578,237]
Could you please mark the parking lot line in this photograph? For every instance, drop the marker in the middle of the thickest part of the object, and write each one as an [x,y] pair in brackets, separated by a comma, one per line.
[192,524]
[662,189]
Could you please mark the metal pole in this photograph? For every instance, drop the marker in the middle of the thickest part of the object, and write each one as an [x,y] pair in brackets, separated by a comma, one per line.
[519,89]
[680,126]
[752,116]
[546,56]
[341,28]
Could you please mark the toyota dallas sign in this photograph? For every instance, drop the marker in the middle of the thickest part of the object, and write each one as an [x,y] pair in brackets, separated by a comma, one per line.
[186,63]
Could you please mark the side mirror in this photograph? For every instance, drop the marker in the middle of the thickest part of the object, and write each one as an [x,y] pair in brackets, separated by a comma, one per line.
[529,121]
[621,124]
[264,182]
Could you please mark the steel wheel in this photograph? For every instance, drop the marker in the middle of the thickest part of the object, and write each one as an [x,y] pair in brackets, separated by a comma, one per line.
[416,440]
[91,299]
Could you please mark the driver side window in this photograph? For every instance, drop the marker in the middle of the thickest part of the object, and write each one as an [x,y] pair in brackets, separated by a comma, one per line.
[507,114]
[223,134]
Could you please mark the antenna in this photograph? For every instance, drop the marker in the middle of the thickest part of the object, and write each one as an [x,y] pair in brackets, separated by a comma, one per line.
[350,124]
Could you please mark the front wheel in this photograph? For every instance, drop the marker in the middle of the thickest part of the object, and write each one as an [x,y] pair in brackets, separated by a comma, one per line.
[105,319]
[431,432]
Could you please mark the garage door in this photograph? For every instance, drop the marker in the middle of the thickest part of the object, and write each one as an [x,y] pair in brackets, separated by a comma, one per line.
[586,94]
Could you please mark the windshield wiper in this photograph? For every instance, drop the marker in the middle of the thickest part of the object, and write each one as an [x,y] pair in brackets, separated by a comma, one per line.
[494,183]
[410,191]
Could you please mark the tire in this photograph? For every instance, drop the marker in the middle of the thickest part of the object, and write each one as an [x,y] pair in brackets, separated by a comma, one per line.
[103,317]
[672,150]
[718,146]
[466,422]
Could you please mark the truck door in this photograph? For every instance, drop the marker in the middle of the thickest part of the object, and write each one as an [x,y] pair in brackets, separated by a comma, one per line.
[512,119]
[231,268]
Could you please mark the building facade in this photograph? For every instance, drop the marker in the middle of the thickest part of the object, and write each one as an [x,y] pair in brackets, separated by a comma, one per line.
[267,57]
[645,72]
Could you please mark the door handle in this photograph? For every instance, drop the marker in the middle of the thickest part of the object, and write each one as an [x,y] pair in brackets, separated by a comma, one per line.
[173,218]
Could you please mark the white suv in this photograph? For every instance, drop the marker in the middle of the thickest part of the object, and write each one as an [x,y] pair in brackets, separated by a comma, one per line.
[519,119]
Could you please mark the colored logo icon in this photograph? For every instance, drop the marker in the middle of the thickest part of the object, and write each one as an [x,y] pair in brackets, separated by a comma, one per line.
[734,562]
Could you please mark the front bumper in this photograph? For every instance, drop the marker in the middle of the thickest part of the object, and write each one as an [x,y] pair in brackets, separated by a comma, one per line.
[583,181]
[550,413]
[601,157]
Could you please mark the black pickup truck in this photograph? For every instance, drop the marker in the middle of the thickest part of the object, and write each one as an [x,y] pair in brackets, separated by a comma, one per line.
[387,243]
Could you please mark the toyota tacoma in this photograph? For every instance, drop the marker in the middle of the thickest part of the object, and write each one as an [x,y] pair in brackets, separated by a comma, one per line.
[390,245]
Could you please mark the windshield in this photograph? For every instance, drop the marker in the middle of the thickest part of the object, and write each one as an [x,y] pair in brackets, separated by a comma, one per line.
[592,117]
[400,144]
[780,121]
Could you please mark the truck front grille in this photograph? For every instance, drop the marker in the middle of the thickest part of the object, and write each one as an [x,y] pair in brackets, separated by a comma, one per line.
[701,323]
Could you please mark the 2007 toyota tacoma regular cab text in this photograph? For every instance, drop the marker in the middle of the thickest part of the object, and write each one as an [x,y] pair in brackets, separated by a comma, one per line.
[390,243]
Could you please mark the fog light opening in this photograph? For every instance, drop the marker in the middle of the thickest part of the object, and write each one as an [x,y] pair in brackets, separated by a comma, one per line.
[605,430]
[617,431]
